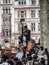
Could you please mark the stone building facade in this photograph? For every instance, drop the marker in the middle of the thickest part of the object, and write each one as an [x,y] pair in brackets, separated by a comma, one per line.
[11,12]
[28,10]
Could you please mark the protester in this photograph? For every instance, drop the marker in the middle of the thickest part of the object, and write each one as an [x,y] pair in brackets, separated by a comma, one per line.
[36,55]
[5,58]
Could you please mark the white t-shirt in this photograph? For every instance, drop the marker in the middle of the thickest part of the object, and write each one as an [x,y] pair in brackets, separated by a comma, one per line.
[5,63]
[27,63]
[19,55]
[24,43]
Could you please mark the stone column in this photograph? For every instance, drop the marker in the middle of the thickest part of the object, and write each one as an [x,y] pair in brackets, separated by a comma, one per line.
[44,23]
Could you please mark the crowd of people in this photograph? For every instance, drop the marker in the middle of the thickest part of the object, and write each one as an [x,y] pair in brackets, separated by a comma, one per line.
[37,55]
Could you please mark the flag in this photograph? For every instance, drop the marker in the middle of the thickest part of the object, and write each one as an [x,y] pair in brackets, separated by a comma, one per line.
[29,46]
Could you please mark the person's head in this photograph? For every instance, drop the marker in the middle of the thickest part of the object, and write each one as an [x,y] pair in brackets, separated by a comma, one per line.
[46,50]
[23,62]
[5,57]
[35,63]
[15,59]
[29,57]
[19,63]
[42,48]
[10,62]
[35,56]
[42,60]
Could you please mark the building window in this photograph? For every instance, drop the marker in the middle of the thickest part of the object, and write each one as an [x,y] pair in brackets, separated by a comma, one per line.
[3,10]
[33,14]
[19,27]
[6,32]
[6,10]
[19,2]
[3,32]
[39,13]
[6,1]
[22,14]
[25,2]
[32,26]
[33,2]
[6,21]
[22,2]
[39,27]
[18,14]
